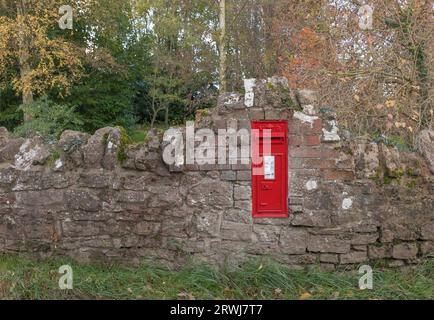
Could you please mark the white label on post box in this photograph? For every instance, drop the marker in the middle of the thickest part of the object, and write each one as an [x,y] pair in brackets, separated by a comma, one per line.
[269,167]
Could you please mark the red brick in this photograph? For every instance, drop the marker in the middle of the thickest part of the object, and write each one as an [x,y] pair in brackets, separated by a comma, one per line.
[314,128]
[241,166]
[312,152]
[208,167]
[317,126]
[311,140]
[343,175]
[295,140]
[191,167]
[294,127]
[328,153]
[346,164]
[319,164]
[296,163]
[305,152]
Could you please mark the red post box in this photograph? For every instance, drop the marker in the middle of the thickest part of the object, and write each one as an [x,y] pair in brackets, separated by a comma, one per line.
[270,169]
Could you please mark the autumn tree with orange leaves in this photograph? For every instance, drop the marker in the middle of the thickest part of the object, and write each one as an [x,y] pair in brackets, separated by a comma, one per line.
[45,60]
[379,80]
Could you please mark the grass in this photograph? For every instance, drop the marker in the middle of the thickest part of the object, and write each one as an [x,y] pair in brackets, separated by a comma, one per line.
[139,132]
[21,278]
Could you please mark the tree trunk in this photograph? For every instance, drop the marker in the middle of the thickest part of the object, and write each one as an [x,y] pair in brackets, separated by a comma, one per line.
[222,45]
[154,117]
[24,57]
[270,52]
[166,117]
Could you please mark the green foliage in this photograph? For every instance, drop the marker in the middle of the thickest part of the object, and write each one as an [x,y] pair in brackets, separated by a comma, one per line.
[258,279]
[10,116]
[131,72]
[49,119]
[393,141]
[138,136]
[125,141]
[55,155]
[103,100]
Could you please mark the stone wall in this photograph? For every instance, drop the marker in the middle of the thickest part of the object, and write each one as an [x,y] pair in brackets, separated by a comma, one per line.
[97,198]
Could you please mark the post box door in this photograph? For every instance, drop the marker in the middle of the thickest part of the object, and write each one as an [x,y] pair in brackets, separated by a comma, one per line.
[270,179]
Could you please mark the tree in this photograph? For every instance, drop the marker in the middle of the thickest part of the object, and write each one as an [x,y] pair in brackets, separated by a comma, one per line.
[27,38]
[379,79]
[222,45]
[184,59]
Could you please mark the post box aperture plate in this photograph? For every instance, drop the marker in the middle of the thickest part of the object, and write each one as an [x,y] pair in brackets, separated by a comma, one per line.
[269,166]
[270,173]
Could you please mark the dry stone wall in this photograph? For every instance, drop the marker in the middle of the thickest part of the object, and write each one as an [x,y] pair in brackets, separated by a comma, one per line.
[95,197]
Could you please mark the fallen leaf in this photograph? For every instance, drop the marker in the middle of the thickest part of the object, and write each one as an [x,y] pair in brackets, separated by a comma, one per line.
[305,296]
[186,295]
[389,125]
[335,295]
[390,103]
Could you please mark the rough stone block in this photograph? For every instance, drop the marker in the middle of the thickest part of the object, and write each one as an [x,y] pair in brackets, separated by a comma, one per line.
[425,145]
[312,219]
[242,192]
[353,257]
[82,200]
[306,96]
[327,244]
[148,228]
[342,175]
[236,231]
[208,222]
[245,175]
[238,215]
[228,175]
[293,240]
[427,231]
[329,258]
[264,233]
[376,252]
[404,251]
[364,238]
[426,248]
[243,204]
[211,193]
[45,198]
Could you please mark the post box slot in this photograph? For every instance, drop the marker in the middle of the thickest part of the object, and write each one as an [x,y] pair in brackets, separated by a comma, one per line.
[273,140]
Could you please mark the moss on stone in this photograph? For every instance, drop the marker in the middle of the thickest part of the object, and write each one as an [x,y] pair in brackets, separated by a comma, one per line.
[203,112]
[387,180]
[393,176]
[347,150]
[411,184]
[270,85]
[397,173]
[377,177]
[124,141]
[286,99]
[54,155]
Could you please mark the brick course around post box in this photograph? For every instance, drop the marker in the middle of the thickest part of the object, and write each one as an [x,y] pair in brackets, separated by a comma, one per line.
[345,204]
